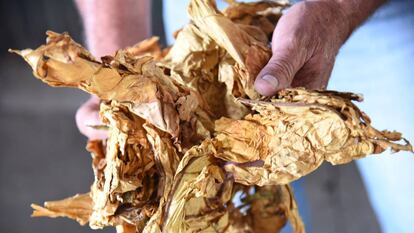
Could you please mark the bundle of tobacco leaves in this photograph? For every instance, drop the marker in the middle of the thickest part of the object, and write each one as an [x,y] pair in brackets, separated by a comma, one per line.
[187,131]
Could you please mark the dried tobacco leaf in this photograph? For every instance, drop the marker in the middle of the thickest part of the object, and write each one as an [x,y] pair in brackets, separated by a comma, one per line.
[78,207]
[130,177]
[247,45]
[188,134]
[269,209]
[135,82]
[263,15]
[199,193]
[293,133]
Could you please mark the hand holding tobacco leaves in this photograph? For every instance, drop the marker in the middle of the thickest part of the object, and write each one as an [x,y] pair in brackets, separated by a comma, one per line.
[187,131]
[306,40]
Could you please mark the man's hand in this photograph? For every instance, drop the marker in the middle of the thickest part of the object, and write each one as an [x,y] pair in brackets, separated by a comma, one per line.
[109,25]
[306,41]
[88,115]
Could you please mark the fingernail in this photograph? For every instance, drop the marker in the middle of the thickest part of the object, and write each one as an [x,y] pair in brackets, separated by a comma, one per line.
[271,80]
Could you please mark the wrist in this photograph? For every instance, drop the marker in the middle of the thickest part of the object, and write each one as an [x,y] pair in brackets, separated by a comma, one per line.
[355,12]
[110,25]
[334,19]
[346,15]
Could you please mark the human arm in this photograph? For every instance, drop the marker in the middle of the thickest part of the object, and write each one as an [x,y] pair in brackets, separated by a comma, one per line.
[109,25]
[306,41]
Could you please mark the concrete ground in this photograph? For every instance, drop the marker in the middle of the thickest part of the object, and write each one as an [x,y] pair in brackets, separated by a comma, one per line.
[42,155]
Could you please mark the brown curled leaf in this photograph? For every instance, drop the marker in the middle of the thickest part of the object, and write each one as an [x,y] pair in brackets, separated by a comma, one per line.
[295,132]
[78,207]
[191,147]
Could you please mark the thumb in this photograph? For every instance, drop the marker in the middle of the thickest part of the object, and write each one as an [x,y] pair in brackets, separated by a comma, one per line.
[279,71]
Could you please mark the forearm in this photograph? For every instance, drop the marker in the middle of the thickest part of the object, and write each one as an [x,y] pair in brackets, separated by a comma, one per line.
[306,41]
[113,24]
[357,11]
[347,15]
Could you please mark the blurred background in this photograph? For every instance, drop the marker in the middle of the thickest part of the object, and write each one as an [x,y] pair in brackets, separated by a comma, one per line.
[42,155]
